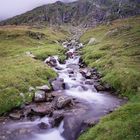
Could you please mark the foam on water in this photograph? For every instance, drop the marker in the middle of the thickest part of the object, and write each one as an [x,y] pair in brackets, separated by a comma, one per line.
[53,134]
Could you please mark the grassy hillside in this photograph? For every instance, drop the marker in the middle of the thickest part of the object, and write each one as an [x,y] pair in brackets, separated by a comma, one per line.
[116,53]
[19,72]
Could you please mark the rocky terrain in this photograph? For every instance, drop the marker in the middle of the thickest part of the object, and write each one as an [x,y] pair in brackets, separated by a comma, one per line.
[82,12]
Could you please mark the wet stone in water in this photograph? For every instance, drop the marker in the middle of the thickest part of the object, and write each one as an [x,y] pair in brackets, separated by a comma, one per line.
[43,125]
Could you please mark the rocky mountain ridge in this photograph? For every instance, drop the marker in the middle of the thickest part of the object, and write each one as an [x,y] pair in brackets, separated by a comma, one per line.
[81,12]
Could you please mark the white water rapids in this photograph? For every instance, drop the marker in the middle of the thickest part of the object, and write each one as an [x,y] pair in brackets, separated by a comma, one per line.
[77,88]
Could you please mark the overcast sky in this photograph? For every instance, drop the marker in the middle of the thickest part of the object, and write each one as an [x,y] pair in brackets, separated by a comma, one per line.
[10,8]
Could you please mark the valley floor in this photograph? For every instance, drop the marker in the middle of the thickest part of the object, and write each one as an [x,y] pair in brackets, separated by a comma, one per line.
[114,49]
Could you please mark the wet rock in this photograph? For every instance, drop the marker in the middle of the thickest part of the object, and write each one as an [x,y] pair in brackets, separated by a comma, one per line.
[69,45]
[63,101]
[99,87]
[80,45]
[69,54]
[58,68]
[58,84]
[42,109]
[73,42]
[107,87]
[67,86]
[43,125]
[84,88]
[73,66]
[94,71]
[56,94]
[89,82]
[45,88]
[49,97]
[71,75]
[2,119]
[40,96]
[70,71]
[90,122]
[58,116]
[16,116]
[86,73]
[65,44]
[51,61]
[72,127]
[95,78]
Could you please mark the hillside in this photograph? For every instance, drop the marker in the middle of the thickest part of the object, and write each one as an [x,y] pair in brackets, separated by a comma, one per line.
[116,53]
[81,12]
[19,72]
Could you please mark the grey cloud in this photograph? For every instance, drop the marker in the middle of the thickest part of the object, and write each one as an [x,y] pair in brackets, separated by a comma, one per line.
[10,8]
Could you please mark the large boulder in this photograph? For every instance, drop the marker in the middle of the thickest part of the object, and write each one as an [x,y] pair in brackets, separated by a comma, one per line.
[63,101]
[57,118]
[51,61]
[58,84]
[42,109]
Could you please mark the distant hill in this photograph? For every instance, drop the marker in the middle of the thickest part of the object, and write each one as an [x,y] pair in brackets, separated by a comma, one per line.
[81,12]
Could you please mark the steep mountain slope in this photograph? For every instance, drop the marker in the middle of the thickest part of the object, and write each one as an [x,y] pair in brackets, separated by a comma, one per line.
[85,12]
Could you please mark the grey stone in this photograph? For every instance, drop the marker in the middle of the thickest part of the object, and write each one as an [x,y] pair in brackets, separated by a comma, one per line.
[40,96]
[63,101]
[15,116]
[45,88]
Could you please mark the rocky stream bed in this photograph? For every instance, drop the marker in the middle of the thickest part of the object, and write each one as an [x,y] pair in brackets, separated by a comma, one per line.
[76,101]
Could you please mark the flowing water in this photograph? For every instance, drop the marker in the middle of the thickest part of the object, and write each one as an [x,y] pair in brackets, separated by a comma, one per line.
[93,105]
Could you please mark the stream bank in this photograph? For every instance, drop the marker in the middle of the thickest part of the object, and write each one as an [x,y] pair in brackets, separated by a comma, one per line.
[77,101]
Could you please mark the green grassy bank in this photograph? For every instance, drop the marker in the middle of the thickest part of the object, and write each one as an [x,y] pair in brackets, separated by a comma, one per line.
[19,72]
[115,51]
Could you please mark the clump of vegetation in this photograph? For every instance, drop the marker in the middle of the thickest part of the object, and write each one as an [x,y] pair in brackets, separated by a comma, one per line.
[119,61]
[18,71]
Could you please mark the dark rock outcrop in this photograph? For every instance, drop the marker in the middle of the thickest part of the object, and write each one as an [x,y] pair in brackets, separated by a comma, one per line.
[81,12]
